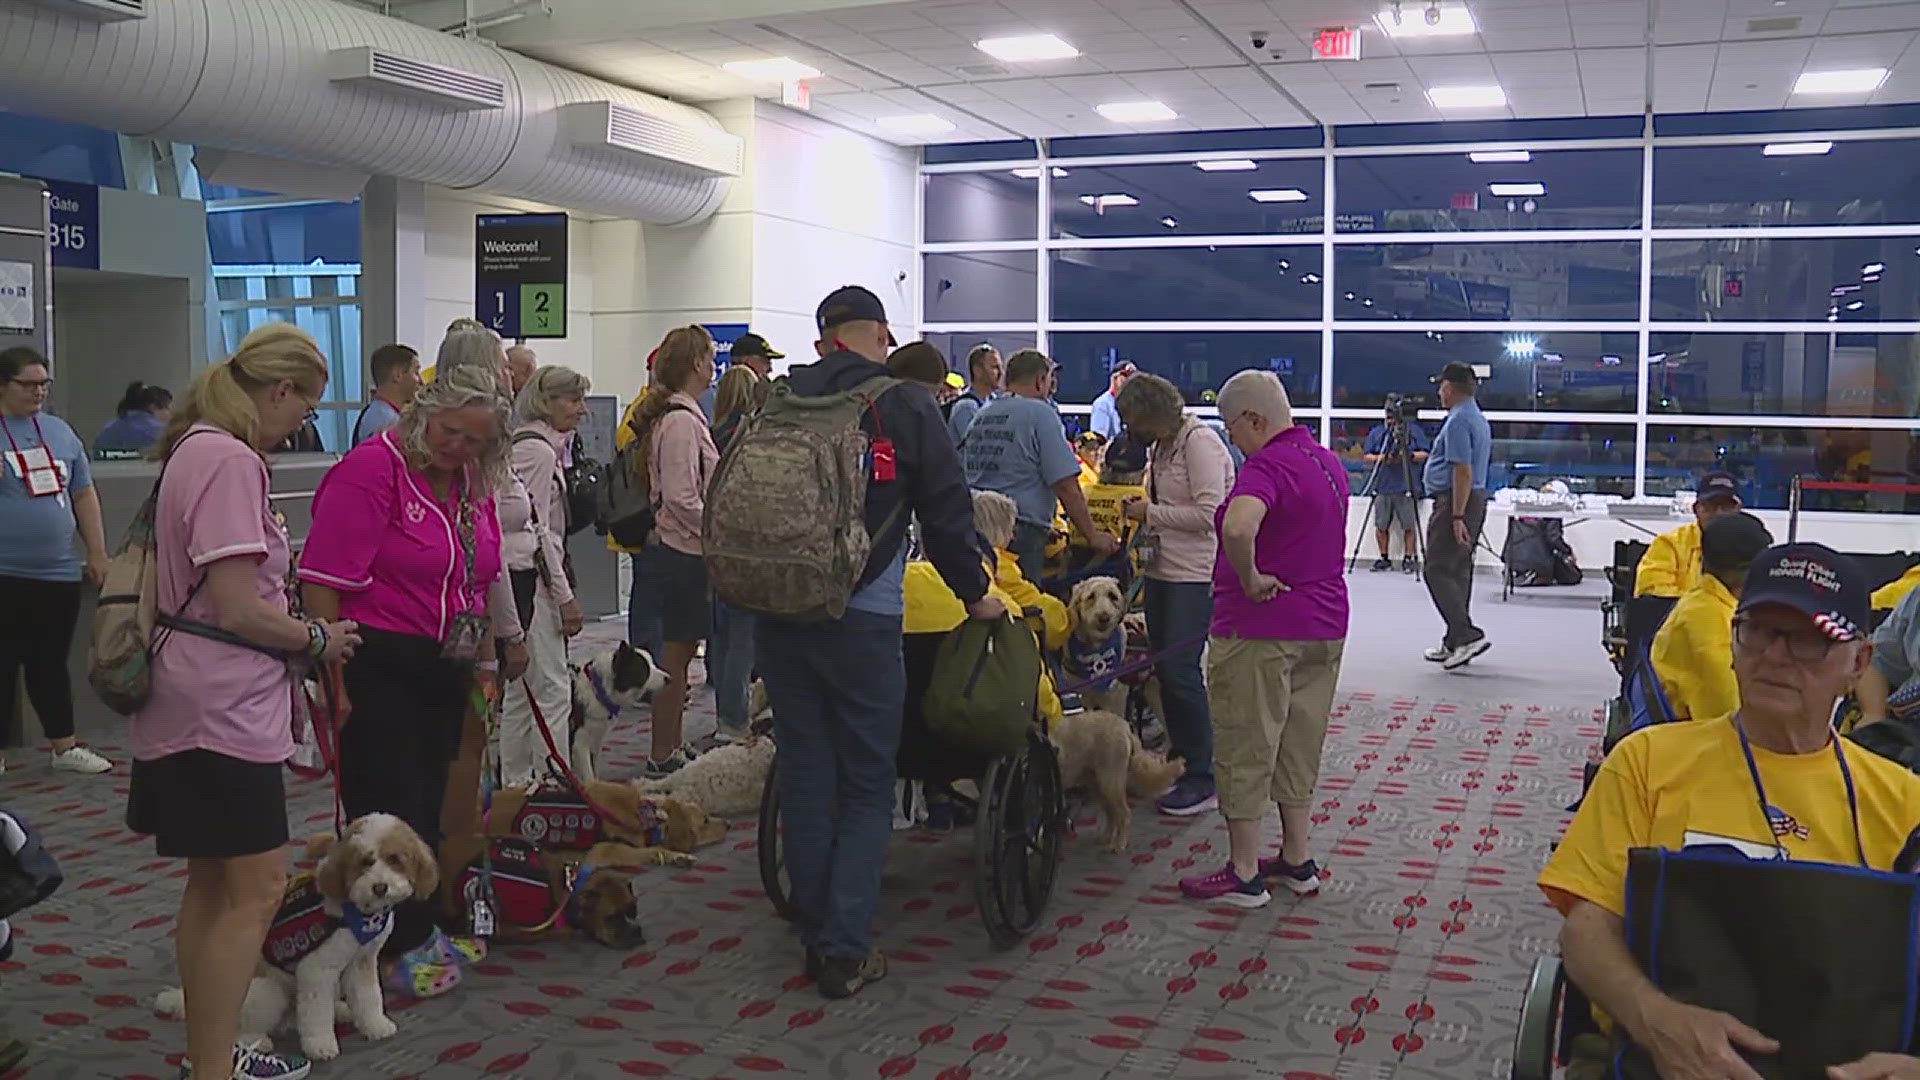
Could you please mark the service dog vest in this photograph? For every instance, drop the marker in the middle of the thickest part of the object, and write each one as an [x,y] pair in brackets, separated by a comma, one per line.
[302,924]
[1096,662]
[521,892]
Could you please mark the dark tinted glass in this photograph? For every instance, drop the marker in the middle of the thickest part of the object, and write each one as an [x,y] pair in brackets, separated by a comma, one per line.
[1558,370]
[1852,279]
[980,286]
[1585,189]
[286,235]
[1195,362]
[1818,374]
[55,150]
[1589,279]
[982,206]
[1767,459]
[1867,182]
[1588,458]
[1109,284]
[1199,203]
[959,343]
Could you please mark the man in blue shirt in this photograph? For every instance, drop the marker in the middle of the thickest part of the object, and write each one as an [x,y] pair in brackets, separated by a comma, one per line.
[1456,476]
[396,378]
[984,371]
[1018,447]
[1397,451]
[1106,416]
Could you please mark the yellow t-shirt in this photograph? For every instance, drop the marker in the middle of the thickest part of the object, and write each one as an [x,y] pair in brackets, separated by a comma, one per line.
[1888,596]
[1693,652]
[1671,565]
[1673,784]
[932,608]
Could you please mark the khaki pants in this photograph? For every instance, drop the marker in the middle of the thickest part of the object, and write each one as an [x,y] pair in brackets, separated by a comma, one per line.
[1270,701]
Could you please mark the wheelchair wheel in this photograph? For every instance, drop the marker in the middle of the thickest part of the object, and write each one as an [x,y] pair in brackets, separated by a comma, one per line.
[1016,839]
[773,866]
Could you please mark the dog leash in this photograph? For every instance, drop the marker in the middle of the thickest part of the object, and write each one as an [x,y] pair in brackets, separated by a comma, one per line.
[566,771]
[1131,666]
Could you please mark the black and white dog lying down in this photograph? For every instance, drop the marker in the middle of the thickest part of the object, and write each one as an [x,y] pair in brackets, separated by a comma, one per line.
[608,685]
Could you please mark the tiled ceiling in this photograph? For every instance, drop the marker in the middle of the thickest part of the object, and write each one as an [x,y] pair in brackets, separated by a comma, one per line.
[1554,58]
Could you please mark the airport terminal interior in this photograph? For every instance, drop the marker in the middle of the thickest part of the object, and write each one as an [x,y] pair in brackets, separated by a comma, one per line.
[1670,238]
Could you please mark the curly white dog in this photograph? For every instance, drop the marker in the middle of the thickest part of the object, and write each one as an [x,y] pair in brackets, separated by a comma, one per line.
[326,938]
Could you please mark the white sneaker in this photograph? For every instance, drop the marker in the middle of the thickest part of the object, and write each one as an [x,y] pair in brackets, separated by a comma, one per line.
[79,759]
[1464,655]
[1437,655]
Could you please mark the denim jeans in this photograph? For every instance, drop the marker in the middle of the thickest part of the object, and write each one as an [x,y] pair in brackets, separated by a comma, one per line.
[1178,615]
[837,691]
[643,610]
[1030,548]
[730,663]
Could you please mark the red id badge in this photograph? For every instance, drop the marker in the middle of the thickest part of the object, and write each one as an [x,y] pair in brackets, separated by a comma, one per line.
[885,469]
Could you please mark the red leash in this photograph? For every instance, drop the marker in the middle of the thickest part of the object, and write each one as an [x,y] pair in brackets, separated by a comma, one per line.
[326,722]
[566,771]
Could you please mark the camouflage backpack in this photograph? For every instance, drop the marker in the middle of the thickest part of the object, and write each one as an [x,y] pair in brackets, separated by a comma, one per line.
[785,528]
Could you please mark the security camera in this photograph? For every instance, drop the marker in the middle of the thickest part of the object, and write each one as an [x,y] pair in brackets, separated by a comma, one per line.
[1259,38]
[1433,14]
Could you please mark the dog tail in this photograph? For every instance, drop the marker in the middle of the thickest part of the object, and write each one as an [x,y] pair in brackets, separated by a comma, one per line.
[171,1003]
[1149,774]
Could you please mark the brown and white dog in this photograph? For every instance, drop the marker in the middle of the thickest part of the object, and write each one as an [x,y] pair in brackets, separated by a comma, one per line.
[1101,751]
[325,944]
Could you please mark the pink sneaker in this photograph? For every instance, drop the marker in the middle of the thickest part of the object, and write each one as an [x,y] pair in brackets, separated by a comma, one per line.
[1224,884]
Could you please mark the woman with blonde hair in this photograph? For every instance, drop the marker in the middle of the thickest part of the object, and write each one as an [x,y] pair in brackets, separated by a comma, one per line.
[209,743]
[730,651]
[678,456]
[406,542]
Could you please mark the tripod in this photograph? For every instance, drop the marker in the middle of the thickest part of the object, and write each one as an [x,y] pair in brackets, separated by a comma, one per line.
[1399,451]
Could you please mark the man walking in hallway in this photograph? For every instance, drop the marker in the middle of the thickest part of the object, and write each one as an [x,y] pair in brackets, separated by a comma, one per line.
[1456,476]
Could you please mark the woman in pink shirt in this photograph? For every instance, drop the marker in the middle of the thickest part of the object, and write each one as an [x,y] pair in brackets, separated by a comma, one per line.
[679,456]
[209,743]
[406,542]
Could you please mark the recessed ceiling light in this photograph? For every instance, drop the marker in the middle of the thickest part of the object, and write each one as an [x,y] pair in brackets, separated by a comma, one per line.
[1278,195]
[1856,305]
[1136,112]
[1027,48]
[915,124]
[1226,165]
[1034,173]
[1467,97]
[1101,202]
[1795,149]
[1849,81]
[1528,188]
[1496,157]
[1171,223]
[1452,21]
[772,69]
[1874,268]
[1522,346]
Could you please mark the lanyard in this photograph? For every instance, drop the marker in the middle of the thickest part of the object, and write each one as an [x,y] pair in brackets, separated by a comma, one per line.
[7,426]
[1777,819]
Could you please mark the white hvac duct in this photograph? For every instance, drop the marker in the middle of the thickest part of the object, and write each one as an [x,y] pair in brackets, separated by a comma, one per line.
[270,77]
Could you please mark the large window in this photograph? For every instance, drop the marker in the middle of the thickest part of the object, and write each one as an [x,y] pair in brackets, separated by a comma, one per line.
[1718,295]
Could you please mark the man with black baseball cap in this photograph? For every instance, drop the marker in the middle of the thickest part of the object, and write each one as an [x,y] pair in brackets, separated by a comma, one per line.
[1456,477]
[1672,562]
[838,688]
[1771,780]
[1693,652]
[753,351]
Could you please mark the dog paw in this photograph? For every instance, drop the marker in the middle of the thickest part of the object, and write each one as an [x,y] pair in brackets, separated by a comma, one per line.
[680,860]
[320,1047]
[378,1028]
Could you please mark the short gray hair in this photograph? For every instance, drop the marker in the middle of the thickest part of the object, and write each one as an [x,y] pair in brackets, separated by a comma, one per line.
[1149,397]
[549,385]
[1260,393]
[993,516]
[458,388]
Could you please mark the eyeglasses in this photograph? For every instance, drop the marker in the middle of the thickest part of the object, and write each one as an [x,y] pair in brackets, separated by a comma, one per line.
[1802,645]
[34,385]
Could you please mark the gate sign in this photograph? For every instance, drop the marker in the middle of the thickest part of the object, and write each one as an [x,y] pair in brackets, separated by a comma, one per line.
[520,274]
[74,212]
[724,335]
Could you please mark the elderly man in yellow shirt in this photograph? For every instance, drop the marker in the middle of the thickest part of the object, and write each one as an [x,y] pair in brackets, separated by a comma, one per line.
[1672,562]
[1693,652]
[1772,780]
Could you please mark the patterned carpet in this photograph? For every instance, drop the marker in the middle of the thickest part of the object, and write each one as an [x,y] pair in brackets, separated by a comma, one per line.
[1433,817]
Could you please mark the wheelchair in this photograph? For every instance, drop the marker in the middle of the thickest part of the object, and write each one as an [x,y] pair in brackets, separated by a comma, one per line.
[1020,815]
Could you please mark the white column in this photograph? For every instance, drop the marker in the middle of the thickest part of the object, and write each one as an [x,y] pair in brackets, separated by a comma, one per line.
[393,266]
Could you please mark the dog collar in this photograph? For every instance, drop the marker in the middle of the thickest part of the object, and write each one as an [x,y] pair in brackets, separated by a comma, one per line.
[570,914]
[362,926]
[600,690]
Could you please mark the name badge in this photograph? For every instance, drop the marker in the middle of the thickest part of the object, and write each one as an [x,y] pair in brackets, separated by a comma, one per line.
[38,471]
[1745,847]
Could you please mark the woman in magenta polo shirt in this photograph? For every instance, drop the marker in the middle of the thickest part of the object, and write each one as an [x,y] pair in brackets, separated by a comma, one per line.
[1279,629]
[406,543]
[209,743]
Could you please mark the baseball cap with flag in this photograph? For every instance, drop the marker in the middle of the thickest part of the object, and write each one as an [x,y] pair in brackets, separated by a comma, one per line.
[1815,580]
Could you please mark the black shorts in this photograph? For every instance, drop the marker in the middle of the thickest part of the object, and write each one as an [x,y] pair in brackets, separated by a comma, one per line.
[678,582]
[198,804]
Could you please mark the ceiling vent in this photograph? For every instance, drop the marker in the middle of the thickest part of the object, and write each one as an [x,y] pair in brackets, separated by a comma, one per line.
[1382,87]
[603,125]
[106,10]
[397,71]
[1785,24]
[984,71]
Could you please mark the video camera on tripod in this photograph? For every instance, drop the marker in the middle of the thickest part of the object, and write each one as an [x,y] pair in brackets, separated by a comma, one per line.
[1402,409]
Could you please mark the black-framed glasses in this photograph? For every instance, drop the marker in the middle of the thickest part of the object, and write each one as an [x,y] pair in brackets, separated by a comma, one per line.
[43,385]
[1803,644]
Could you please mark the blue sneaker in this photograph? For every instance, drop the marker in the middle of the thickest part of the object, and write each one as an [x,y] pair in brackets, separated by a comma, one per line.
[251,1063]
[940,814]
[1190,795]
[1303,879]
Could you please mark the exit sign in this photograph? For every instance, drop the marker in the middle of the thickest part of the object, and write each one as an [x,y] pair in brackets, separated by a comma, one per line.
[1337,43]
